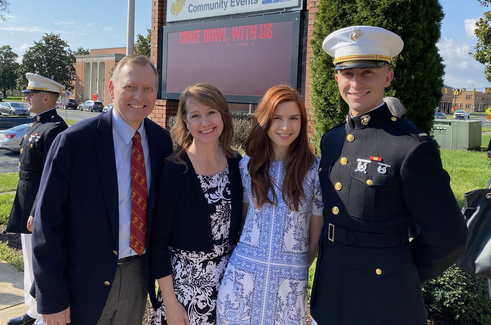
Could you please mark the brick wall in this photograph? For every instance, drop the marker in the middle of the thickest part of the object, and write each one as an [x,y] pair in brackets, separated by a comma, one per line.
[163,108]
[119,50]
[79,81]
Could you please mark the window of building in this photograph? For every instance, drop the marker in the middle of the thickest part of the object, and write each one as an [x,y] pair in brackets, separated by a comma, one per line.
[468,105]
[468,96]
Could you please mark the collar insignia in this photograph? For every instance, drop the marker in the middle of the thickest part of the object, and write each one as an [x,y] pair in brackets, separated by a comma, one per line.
[365,119]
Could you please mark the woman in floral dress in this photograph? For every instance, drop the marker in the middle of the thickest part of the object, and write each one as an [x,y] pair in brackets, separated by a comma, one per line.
[198,210]
[267,275]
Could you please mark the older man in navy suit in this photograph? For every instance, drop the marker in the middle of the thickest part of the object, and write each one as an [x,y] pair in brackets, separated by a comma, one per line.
[96,198]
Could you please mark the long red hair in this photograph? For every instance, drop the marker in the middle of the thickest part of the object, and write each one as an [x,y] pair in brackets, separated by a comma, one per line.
[297,161]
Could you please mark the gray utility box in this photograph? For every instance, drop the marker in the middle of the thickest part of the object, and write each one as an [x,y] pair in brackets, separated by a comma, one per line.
[458,134]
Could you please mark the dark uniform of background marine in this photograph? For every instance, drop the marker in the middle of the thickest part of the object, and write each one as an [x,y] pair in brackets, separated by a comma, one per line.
[34,149]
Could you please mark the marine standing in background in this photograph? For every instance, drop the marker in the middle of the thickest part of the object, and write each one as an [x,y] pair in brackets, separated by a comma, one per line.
[41,95]
[377,172]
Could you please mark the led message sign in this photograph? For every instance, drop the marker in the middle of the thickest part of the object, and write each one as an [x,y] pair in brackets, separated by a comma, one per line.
[242,57]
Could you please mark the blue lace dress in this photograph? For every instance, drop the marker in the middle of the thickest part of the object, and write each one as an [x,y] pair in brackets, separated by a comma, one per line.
[267,275]
[196,275]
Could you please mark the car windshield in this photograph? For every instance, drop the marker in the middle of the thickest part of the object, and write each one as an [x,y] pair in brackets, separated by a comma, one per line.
[18,105]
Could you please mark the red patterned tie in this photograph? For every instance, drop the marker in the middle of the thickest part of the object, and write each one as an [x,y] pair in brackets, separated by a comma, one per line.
[139,195]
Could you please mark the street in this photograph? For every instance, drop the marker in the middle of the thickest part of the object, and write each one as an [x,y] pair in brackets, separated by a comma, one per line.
[9,161]
[75,114]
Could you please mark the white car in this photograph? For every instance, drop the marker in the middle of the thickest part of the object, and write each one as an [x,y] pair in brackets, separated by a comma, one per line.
[10,139]
[460,114]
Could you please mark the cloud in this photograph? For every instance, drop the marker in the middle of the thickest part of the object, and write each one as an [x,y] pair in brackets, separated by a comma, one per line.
[24,46]
[450,49]
[30,29]
[461,69]
[470,26]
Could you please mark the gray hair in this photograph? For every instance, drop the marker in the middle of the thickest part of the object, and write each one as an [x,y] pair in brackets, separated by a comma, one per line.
[395,106]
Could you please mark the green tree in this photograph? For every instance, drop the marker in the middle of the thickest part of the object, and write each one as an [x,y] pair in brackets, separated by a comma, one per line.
[8,69]
[142,45]
[482,49]
[81,51]
[51,57]
[4,7]
[418,69]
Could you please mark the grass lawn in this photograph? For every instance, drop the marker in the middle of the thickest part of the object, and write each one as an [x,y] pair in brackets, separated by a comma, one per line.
[14,99]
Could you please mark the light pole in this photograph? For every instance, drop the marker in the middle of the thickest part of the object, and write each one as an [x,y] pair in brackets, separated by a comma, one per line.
[130,35]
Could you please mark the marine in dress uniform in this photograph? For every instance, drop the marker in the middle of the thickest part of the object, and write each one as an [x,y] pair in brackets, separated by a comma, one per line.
[380,176]
[34,149]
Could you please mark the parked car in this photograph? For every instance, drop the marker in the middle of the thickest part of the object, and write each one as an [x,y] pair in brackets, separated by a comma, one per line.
[72,104]
[460,114]
[91,106]
[108,107]
[440,115]
[10,139]
[13,108]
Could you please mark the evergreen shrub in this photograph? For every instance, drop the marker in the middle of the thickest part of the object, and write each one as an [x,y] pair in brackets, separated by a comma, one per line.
[460,296]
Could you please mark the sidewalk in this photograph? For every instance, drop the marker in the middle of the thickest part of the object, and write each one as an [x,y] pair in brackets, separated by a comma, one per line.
[11,293]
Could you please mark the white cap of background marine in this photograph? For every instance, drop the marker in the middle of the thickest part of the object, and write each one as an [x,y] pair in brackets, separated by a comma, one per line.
[362,47]
[38,83]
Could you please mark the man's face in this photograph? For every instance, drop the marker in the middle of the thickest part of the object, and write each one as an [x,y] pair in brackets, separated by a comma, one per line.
[36,102]
[134,93]
[363,89]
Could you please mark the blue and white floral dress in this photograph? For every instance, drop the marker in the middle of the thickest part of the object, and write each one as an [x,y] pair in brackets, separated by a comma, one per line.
[266,278]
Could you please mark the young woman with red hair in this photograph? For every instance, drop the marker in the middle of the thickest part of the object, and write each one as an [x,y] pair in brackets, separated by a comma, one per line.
[266,279]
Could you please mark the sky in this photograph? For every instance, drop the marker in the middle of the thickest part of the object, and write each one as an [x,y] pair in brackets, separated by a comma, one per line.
[96,24]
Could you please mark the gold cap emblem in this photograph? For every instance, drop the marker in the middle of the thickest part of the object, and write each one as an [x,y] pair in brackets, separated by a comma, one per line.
[355,35]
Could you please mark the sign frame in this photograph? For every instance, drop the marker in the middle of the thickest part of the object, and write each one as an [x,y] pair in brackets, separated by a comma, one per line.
[178,10]
[294,75]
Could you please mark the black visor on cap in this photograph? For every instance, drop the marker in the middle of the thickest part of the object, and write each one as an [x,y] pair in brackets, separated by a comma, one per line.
[360,65]
[28,91]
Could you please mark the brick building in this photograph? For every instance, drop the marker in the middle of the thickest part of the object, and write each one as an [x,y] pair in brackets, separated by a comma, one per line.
[93,73]
[468,100]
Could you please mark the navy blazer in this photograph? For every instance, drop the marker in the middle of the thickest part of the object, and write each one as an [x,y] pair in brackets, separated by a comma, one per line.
[76,229]
[182,217]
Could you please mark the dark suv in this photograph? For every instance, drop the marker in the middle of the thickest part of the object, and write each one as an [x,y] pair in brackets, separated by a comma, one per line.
[72,104]
[91,106]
